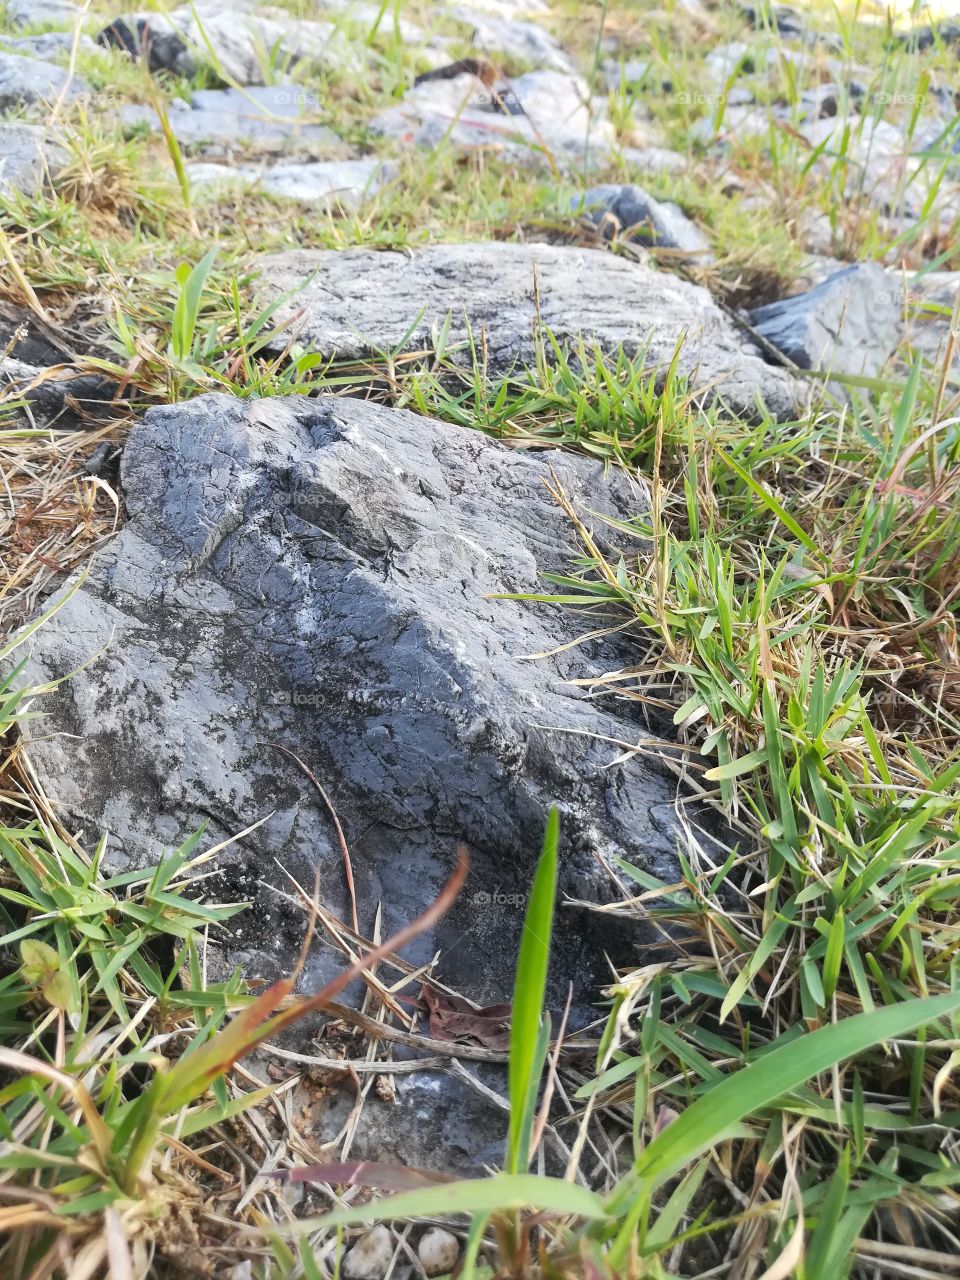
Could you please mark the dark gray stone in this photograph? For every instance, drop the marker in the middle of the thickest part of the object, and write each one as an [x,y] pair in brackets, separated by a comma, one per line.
[642,218]
[325,574]
[164,48]
[24,81]
[851,323]
[360,302]
[22,337]
[64,397]
[63,400]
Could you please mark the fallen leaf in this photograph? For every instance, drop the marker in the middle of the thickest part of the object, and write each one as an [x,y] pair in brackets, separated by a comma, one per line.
[452,1018]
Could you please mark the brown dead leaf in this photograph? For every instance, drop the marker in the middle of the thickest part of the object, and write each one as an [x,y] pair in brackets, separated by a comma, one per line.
[452,1018]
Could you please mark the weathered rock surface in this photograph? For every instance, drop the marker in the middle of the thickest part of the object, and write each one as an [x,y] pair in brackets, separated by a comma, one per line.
[851,323]
[323,184]
[361,302]
[161,45]
[242,43]
[323,574]
[642,218]
[25,80]
[269,118]
[554,115]
[46,394]
[50,44]
[28,156]
[62,400]
[523,42]
[55,12]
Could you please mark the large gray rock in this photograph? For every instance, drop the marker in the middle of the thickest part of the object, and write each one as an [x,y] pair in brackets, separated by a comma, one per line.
[642,218]
[360,302]
[24,81]
[851,323]
[324,575]
[270,118]
[28,156]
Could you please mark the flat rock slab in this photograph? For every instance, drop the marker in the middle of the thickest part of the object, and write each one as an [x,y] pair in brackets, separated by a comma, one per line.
[24,81]
[323,184]
[324,574]
[270,118]
[558,121]
[360,302]
[851,323]
[28,156]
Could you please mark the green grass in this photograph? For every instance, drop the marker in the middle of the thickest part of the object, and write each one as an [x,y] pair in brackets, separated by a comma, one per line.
[775,1087]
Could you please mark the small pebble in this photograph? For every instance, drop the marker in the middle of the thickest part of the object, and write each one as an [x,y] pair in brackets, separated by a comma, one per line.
[438,1251]
[369,1259]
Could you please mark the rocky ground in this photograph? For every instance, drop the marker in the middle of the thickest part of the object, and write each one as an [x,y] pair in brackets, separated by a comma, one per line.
[339,345]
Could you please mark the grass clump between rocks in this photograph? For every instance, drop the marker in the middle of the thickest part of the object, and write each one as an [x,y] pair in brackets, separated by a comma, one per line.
[775,1093]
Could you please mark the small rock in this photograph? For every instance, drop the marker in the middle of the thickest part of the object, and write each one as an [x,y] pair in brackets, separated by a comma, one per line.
[26,80]
[370,1257]
[438,1251]
[102,463]
[650,221]
[27,157]
[851,323]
